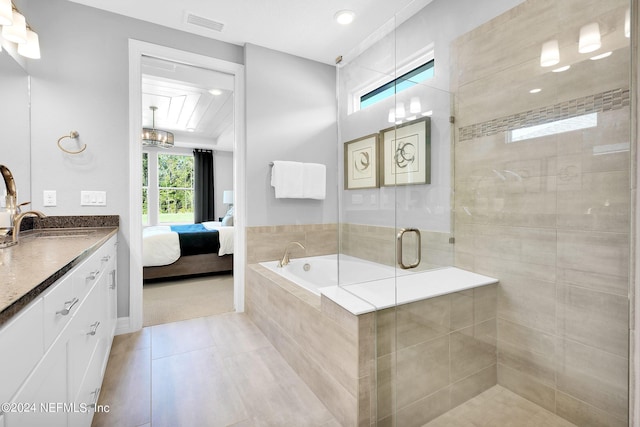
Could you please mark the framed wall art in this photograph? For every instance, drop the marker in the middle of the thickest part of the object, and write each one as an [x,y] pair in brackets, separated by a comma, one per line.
[361,163]
[406,153]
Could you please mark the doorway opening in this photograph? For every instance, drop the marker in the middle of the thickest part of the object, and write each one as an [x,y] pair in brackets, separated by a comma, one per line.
[192,273]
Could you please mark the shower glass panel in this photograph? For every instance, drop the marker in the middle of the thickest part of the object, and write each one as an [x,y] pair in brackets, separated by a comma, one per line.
[525,127]
[395,207]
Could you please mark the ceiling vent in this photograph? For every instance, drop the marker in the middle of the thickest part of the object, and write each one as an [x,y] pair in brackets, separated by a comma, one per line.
[200,21]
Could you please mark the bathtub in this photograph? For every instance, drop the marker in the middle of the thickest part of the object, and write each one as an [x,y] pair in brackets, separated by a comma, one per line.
[366,286]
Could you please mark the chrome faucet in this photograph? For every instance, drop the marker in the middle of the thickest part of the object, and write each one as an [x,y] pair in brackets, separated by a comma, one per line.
[285,258]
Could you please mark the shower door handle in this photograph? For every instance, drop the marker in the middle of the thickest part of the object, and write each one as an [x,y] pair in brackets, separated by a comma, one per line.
[399,239]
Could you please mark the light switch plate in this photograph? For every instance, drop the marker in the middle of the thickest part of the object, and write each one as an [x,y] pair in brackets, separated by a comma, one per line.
[93,198]
[49,198]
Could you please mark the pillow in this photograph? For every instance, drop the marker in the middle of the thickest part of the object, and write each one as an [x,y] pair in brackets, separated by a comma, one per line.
[227,221]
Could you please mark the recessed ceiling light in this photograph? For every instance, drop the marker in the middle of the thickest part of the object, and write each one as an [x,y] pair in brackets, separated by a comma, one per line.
[191,130]
[215,92]
[602,55]
[344,17]
[561,69]
[535,90]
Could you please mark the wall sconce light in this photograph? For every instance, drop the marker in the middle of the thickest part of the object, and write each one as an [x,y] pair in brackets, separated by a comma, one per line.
[550,54]
[589,38]
[30,49]
[392,116]
[16,29]
[400,111]
[6,12]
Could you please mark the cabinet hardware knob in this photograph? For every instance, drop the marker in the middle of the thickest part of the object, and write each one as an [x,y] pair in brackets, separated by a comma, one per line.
[93,275]
[106,258]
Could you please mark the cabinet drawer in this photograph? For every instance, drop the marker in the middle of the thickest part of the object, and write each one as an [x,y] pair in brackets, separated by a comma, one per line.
[86,329]
[21,346]
[89,390]
[60,304]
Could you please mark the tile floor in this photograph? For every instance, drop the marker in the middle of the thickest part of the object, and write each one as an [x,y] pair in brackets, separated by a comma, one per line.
[210,371]
[222,371]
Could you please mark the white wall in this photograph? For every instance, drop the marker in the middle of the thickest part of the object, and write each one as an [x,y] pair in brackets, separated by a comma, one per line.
[432,28]
[290,115]
[223,179]
[81,83]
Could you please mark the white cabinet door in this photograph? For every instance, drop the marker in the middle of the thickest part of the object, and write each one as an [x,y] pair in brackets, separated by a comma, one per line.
[21,347]
[43,401]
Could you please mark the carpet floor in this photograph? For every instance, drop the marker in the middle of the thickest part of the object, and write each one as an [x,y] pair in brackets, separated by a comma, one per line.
[175,300]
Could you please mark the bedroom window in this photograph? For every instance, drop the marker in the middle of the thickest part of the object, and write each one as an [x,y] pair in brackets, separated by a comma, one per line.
[175,188]
[167,188]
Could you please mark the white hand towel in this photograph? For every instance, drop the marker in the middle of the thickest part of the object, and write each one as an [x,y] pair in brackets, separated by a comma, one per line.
[314,181]
[287,179]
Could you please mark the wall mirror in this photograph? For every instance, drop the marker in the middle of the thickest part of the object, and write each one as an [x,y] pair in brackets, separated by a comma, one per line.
[15,143]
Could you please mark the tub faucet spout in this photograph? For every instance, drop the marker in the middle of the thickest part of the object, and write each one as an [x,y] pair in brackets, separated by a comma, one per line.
[285,258]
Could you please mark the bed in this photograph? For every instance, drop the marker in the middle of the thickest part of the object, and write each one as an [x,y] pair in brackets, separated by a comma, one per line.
[183,250]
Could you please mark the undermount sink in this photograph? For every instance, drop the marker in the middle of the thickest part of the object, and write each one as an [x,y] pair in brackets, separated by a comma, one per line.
[61,233]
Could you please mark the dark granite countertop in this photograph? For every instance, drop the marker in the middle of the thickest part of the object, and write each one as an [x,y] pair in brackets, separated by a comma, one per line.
[46,252]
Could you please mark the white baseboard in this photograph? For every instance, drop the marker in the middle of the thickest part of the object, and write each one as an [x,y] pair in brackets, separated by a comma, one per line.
[123,326]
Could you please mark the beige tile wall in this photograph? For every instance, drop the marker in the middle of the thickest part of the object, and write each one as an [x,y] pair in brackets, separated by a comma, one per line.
[378,244]
[435,354]
[548,216]
[267,243]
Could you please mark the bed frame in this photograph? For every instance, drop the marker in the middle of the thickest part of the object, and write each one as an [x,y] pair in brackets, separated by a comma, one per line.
[192,264]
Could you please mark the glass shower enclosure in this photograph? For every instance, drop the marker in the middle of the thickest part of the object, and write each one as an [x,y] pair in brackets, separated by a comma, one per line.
[496,142]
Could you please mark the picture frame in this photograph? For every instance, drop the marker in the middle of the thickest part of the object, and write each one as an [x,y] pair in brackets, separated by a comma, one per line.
[406,153]
[361,163]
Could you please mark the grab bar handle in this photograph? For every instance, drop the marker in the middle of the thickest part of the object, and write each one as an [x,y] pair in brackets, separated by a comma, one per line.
[399,239]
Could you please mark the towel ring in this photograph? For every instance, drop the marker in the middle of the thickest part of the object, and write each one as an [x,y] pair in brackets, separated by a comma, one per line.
[73,135]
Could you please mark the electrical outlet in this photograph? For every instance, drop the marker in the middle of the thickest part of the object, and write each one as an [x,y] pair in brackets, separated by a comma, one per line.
[49,198]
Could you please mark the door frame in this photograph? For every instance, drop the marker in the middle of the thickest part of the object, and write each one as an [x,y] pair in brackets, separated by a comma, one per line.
[138,49]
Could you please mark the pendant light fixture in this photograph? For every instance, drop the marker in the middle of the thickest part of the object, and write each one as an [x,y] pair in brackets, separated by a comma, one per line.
[155,137]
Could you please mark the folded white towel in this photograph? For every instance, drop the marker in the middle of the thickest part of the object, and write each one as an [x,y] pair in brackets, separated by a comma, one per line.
[287,179]
[314,181]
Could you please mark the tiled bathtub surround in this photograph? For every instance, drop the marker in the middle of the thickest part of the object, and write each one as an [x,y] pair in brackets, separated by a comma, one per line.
[444,348]
[267,243]
[549,216]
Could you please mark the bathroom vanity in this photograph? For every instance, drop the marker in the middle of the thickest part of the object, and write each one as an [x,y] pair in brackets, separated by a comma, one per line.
[57,321]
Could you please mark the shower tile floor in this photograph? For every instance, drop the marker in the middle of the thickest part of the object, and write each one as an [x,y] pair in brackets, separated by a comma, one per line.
[222,371]
[499,407]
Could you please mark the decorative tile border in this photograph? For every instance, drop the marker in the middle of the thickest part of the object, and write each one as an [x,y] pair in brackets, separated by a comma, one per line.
[605,101]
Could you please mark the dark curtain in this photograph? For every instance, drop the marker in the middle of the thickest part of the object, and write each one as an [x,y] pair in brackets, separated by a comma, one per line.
[203,185]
